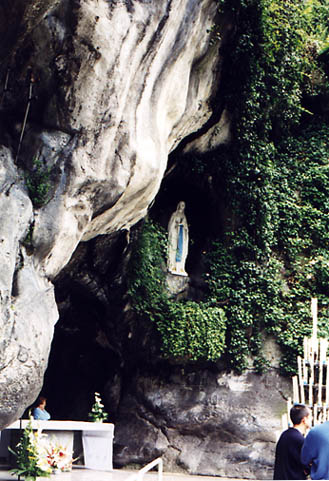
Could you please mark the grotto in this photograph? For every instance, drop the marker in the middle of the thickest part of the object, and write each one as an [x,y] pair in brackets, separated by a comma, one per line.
[112,112]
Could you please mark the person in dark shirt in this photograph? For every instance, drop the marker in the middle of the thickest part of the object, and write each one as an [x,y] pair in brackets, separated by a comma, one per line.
[288,449]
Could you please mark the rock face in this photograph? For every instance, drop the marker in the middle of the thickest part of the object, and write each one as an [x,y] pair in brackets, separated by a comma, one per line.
[99,93]
[28,310]
[95,95]
[202,422]
[199,418]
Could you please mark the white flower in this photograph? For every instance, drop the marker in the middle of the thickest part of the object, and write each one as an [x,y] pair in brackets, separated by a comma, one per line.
[59,456]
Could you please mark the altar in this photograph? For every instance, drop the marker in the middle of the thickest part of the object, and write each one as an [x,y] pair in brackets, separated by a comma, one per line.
[97,439]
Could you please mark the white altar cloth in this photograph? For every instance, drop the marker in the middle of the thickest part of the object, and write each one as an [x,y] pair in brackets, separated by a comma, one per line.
[97,439]
[63,425]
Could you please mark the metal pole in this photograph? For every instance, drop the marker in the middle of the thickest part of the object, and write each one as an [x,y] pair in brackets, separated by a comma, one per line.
[25,116]
[5,88]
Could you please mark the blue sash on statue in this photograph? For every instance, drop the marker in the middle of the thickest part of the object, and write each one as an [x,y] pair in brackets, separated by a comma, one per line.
[179,251]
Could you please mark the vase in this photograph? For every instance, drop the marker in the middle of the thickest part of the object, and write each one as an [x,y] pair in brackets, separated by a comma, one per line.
[56,471]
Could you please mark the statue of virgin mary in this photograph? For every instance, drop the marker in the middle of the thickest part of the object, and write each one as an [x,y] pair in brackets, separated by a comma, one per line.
[177,241]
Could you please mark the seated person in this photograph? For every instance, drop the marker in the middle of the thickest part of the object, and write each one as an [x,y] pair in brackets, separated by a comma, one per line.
[39,412]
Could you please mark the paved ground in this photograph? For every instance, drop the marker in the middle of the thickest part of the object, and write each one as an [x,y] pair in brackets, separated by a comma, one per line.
[80,474]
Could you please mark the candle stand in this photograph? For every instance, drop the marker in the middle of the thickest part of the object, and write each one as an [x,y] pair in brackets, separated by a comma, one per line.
[311,385]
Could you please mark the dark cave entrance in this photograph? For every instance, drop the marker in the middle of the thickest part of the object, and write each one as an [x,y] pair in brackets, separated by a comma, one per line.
[85,356]
[91,348]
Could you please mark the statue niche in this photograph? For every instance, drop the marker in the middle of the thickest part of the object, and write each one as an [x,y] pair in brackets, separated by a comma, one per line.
[177,241]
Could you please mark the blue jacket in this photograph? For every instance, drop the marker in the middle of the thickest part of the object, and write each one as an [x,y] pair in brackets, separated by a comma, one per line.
[41,414]
[316,451]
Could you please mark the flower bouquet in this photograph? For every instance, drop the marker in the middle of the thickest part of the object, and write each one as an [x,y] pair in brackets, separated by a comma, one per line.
[59,457]
[30,455]
[97,413]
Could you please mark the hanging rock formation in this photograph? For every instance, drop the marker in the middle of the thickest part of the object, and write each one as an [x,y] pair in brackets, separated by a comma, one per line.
[108,89]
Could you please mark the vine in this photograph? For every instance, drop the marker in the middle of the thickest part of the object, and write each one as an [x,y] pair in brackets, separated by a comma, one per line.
[189,331]
[38,183]
[273,182]
[272,258]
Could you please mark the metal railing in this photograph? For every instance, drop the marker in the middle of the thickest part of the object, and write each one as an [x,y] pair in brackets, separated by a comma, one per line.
[140,474]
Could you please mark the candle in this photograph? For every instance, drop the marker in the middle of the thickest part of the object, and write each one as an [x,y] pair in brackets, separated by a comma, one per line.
[314,309]
[289,406]
[320,384]
[305,347]
[327,383]
[315,350]
[295,389]
[300,379]
[315,415]
[305,373]
[311,380]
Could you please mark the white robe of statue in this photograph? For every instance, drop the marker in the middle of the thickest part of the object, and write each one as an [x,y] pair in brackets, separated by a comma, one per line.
[177,241]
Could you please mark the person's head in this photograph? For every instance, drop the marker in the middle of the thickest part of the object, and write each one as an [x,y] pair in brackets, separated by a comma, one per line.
[41,402]
[301,415]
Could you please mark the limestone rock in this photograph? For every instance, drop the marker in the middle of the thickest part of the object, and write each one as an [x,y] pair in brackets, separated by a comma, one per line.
[108,90]
[210,423]
[177,285]
[199,418]
[18,18]
[28,309]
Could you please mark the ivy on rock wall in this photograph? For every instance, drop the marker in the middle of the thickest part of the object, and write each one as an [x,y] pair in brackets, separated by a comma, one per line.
[189,330]
[273,181]
[273,259]
[269,287]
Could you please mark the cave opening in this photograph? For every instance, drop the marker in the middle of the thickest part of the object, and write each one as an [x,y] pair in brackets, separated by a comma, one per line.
[92,349]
